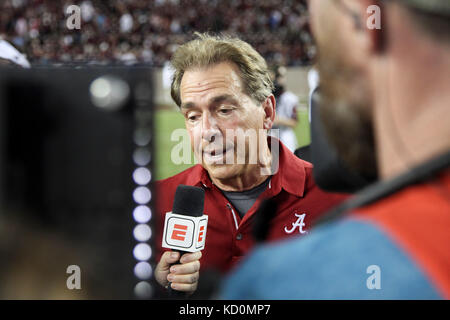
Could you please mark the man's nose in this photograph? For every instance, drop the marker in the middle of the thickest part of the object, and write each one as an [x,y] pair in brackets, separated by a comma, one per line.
[210,130]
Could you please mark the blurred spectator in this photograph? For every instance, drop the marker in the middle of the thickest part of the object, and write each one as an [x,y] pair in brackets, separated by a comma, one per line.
[149,31]
[286,110]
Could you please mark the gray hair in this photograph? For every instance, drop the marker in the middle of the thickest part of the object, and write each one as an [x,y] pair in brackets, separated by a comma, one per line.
[207,50]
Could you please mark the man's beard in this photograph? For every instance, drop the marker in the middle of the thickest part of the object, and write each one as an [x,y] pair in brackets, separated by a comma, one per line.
[345,110]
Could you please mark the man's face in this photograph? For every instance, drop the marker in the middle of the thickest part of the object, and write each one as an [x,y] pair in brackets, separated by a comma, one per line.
[346,100]
[216,109]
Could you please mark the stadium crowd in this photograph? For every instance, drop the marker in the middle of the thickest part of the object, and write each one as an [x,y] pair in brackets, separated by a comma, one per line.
[136,31]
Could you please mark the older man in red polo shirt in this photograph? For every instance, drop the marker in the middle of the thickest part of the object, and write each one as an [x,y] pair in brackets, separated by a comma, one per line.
[223,88]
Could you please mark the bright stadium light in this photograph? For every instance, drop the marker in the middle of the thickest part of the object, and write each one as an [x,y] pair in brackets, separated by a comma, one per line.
[142,214]
[142,195]
[142,176]
[142,232]
[142,252]
[143,290]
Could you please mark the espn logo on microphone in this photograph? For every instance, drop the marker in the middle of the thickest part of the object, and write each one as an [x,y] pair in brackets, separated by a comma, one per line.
[184,233]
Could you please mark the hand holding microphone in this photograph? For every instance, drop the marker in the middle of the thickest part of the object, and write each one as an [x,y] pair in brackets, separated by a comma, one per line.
[181,277]
[184,233]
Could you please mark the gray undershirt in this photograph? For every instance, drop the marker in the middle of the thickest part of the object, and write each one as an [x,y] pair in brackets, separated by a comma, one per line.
[244,200]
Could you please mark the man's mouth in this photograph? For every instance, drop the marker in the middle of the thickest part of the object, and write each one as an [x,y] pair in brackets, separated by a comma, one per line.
[215,155]
[217,152]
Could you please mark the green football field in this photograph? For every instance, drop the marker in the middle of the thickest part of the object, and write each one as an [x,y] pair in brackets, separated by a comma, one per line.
[166,122]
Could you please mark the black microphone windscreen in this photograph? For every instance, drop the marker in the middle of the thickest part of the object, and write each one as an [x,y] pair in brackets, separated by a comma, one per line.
[189,201]
[263,217]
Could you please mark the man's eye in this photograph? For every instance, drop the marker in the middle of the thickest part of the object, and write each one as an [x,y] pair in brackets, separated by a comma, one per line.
[225,111]
[193,117]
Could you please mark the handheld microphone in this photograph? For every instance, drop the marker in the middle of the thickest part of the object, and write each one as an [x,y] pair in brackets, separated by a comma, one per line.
[185,227]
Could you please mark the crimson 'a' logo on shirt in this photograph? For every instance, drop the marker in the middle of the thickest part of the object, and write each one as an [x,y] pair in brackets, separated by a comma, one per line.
[299,223]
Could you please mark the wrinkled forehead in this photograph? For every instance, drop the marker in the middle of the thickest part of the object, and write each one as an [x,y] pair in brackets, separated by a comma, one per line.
[220,78]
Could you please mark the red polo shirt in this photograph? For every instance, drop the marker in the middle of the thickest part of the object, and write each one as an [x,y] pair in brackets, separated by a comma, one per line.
[229,237]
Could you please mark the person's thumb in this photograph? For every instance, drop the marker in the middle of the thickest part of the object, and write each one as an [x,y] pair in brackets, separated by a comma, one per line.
[167,259]
[162,269]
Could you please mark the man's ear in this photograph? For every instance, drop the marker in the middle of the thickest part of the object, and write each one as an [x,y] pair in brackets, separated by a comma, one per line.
[374,24]
[363,39]
[269,111]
